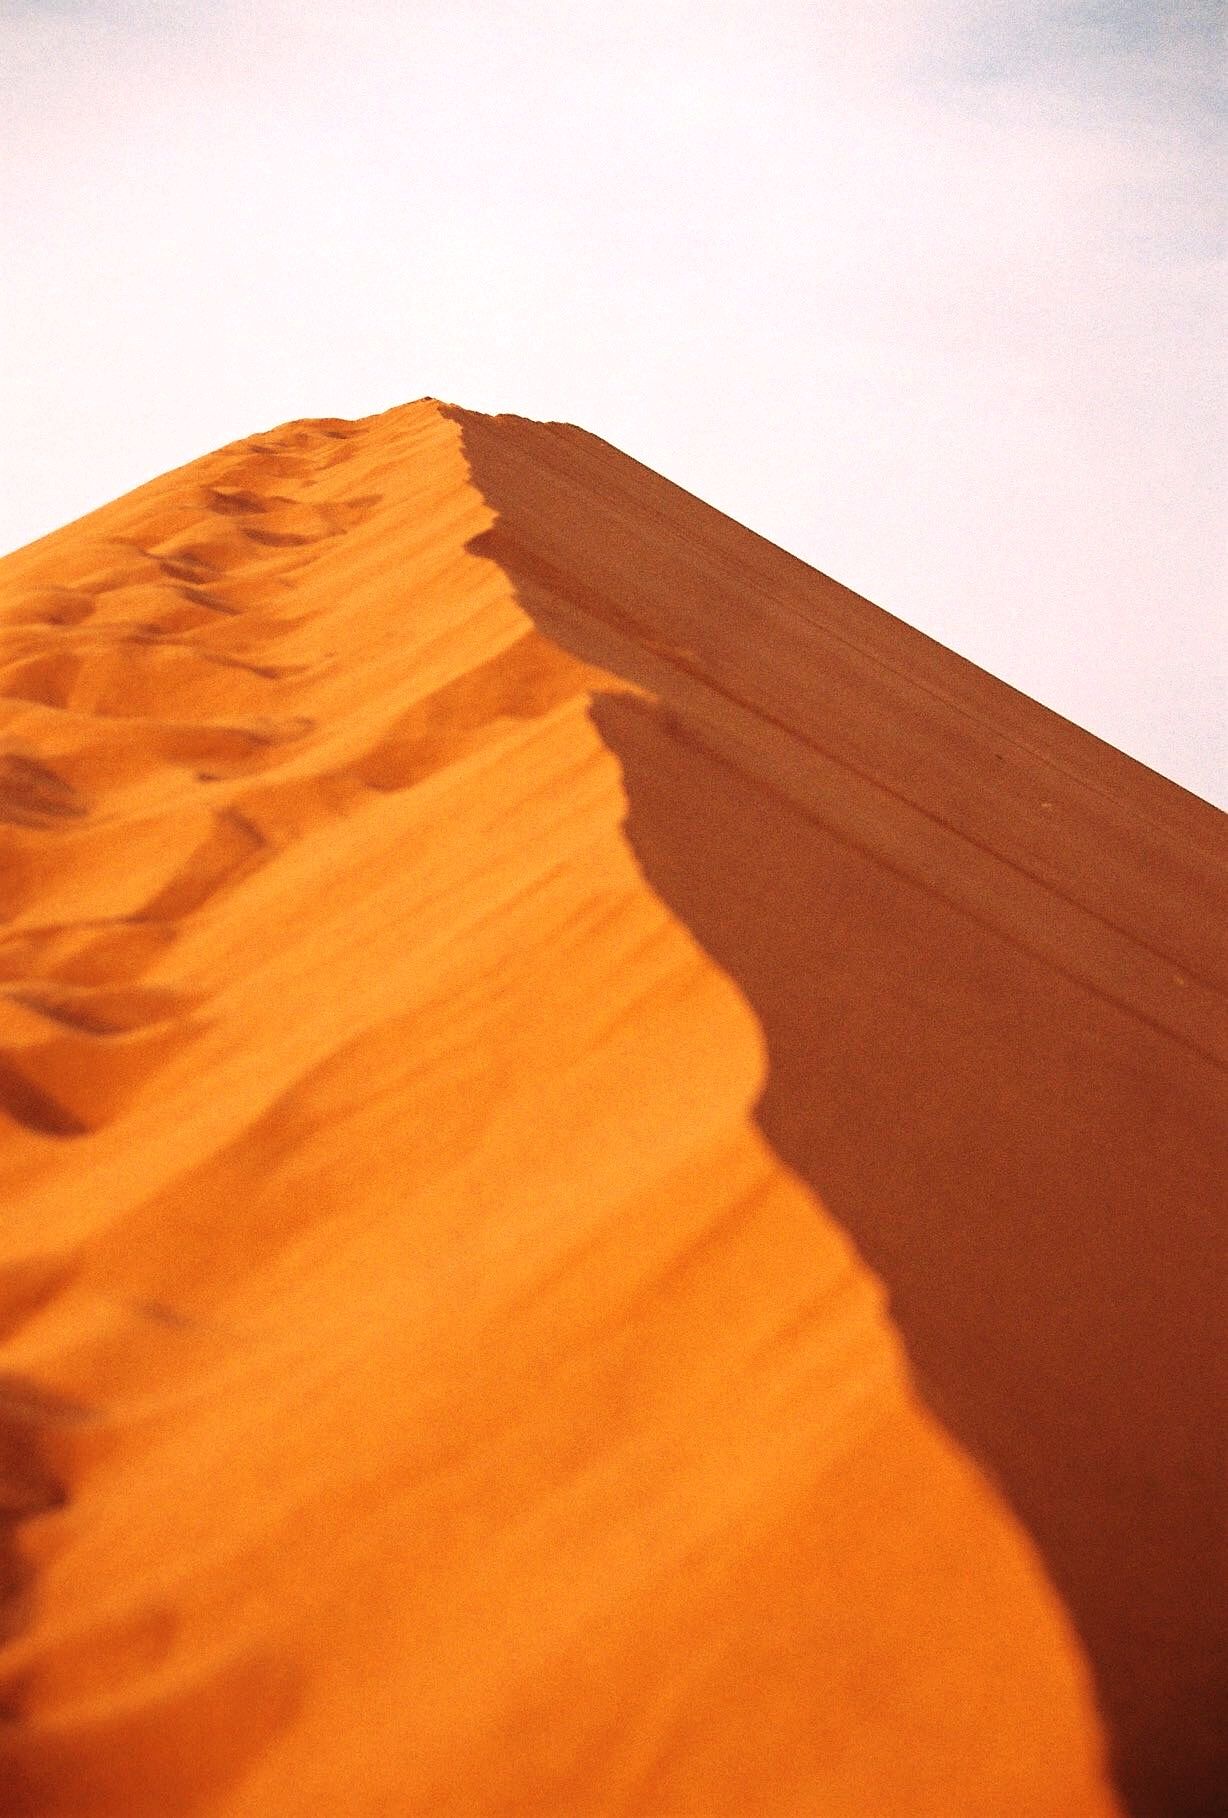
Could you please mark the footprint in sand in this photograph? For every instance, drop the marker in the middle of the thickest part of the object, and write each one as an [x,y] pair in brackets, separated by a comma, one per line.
[46,680]
[107,954]
[72,1058]
[34,795]
[51,608]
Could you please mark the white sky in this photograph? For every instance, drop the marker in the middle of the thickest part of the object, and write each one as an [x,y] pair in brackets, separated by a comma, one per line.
[929,291]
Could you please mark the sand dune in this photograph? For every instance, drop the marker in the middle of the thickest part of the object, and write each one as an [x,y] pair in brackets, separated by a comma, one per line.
[610,1167]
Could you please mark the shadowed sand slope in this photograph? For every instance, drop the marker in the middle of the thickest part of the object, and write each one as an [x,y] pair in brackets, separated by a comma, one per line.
[608,1164]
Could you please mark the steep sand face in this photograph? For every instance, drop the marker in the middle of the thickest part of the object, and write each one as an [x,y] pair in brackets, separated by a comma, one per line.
[987,955]
[494,958]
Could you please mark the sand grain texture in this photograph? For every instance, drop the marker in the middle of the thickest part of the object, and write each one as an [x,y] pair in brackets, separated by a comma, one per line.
[610,1167]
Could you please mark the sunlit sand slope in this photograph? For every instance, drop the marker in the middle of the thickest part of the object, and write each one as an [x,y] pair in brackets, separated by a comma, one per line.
[481,934]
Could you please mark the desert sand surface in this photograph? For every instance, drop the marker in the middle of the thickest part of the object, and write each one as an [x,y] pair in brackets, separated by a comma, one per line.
[612,1170]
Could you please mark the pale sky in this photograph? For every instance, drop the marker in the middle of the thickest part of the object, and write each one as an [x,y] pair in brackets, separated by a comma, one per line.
[931,292]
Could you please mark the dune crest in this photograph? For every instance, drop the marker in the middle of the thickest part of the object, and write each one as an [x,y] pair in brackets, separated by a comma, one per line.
[530,1021]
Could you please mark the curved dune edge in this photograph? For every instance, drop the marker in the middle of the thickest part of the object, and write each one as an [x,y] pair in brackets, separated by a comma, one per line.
[426,1388]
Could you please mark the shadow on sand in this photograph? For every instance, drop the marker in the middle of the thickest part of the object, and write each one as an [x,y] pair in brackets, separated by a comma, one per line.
[1031,1168]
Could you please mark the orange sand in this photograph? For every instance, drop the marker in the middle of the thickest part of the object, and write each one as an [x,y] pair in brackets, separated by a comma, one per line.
[504,973]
